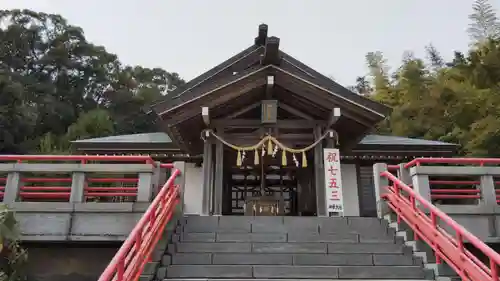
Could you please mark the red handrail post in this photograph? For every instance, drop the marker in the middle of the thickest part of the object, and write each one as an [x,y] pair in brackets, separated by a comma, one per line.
[447,246]
[135,252]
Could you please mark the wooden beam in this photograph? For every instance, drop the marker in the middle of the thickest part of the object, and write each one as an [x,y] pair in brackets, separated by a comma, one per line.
[251,123]
[319,176]
[207,177]
[294,111]
[260,40]
[218,96]
[219,177]
[304,137]
[334,117]
[205,115]
[238,63]
[272,52]
[243,110]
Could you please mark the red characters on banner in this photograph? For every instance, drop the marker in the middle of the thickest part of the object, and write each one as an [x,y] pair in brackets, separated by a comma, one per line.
[333,183]
[333,180]
[333,171]
[332,157]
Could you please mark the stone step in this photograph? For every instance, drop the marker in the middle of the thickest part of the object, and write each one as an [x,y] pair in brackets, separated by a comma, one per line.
[291,259]
[284,271]
[281,279]
[232,224]
[281,237]
[292,248]
[282,219]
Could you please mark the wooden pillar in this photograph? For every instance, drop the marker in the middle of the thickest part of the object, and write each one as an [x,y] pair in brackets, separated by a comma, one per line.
[219,173]
[330,143]
[319,177]
[207,177]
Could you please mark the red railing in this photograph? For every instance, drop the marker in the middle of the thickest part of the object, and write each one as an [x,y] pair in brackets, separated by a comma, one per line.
[58,191]
[53,188]
[429,223]
[135,252]
[455,193]
[77,158]
[392,167]
[455,161]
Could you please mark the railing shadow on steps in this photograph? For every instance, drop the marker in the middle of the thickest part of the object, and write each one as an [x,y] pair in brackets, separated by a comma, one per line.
[429,224]
[130,260]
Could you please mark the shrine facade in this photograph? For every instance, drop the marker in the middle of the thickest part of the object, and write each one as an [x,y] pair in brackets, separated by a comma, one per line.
[258,133]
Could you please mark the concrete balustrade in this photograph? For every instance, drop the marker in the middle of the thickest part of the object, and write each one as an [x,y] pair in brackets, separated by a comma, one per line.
[77,220]
[482,217]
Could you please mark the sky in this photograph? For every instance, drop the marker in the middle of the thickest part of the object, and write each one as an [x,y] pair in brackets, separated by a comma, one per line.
[332,36]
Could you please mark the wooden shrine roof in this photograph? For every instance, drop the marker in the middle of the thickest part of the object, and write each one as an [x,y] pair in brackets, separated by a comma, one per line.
[243,80]
[264,54]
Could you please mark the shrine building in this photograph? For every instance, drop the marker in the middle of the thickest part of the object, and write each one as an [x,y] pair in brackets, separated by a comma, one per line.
[257,131]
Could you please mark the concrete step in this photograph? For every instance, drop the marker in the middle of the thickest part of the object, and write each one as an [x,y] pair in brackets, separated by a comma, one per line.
[281,279]
[291,248]
[287,248]
[282,237]
[291,259]
[284,271]
[233,224]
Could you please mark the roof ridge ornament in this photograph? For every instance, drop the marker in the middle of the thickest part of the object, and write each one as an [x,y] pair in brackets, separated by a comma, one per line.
[261,38]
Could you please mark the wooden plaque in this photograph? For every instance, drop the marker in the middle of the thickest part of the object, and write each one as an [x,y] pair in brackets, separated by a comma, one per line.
[269,111]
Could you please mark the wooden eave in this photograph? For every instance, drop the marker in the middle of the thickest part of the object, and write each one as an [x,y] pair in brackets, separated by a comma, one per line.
[255,77]
[215,76]
[295,66]
[245,62]
[242,79]
[245,81]
[185,118]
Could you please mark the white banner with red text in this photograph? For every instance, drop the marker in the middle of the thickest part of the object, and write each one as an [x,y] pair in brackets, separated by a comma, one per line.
[333,181]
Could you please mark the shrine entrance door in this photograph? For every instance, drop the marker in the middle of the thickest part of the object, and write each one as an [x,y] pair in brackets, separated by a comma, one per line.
[264,189]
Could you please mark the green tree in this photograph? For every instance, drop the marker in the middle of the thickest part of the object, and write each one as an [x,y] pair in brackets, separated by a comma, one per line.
[434,57]
[484,22]
[16,116]
[377,65]
[93,124]
[362,86]
[51,77]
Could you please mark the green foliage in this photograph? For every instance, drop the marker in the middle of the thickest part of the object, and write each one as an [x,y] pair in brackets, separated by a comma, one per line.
[484,22]
[56,86]
[91,124]
[14,257]
[455,102]
[435,59]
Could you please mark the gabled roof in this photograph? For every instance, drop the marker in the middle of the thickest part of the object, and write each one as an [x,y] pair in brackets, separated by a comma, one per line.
[393,140]
[253,59]
[159,137]
[181,93]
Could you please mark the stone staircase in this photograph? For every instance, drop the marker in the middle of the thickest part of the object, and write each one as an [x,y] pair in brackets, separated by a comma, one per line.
[238,247]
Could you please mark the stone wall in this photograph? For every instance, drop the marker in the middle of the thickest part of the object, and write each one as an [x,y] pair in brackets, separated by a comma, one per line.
[68,262]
